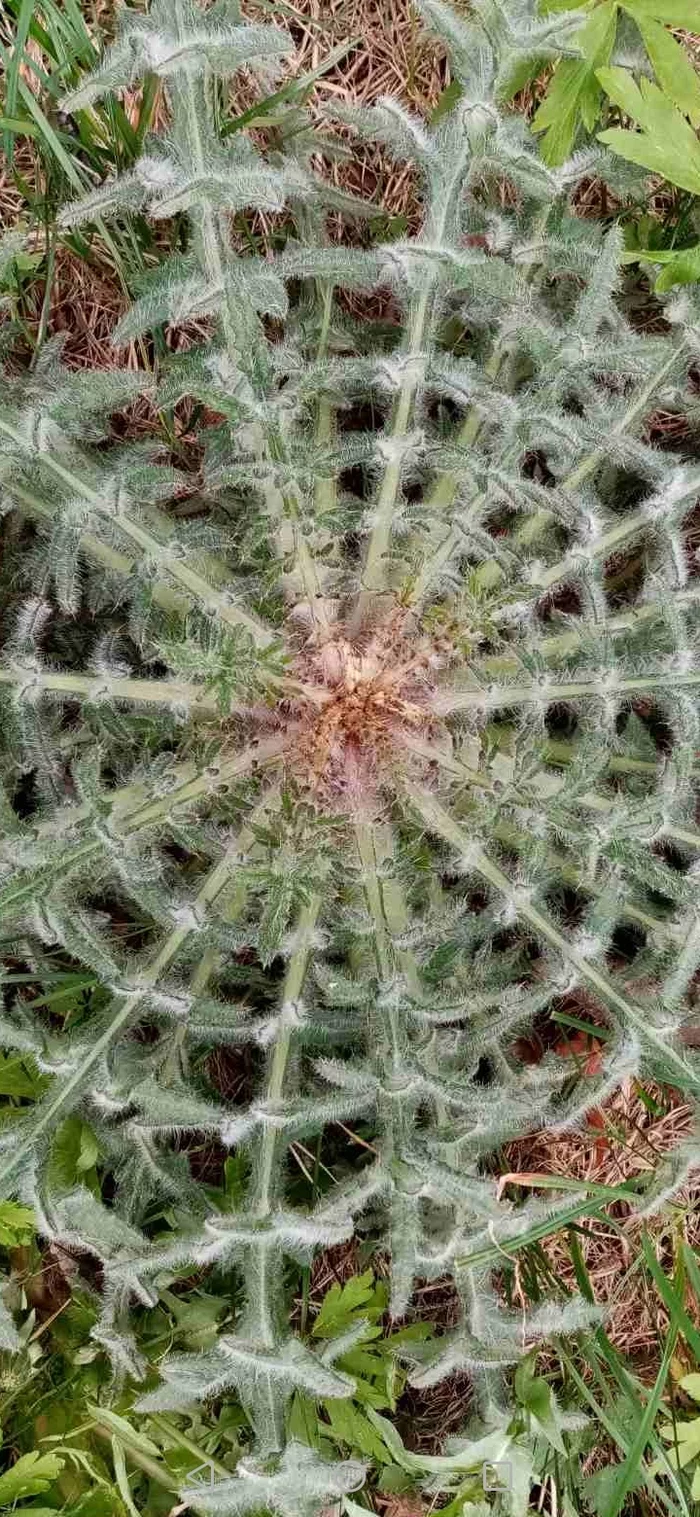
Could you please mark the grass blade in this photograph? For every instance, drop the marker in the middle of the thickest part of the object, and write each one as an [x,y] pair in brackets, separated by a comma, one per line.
[617,1436]
[672,1299]
[18,127]
[290,91]
[15,63]
[632,1468]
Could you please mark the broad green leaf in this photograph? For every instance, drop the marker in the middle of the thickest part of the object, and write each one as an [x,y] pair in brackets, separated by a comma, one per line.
[16,1079]
[16,1224]
[534,1393]
[196,1316]
[394,1481]
[540,1403]
[73,1154]
[392,1439]
[673,68]
[681,13]
[348,1425]
[623,90]
[88,1152]
[449,97]
[560,111]
[30,1475]
[685,1436]
[106,1508]
[691,1384]
[341,1302]
[678,266]
[666,145]
[303,1422]
[598,34]
[523,73]
[573,96]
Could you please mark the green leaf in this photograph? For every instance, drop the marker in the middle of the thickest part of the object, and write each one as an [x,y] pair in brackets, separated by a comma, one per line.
[666,144]
[623,91]
[680,13]
[303,1422]
[127,1434]
[349,1426]
[394,1443]
[686,1437]
[343,1303]
[673,68]
[275,917]
[678,266]
[539,1401]
[534,1393]
[88,1150]
[691,1384]
[30,1475]
[449,97]
[573,96]
[524,72]
[561,110]
[393,1481]
[17,1224]
[599,1488]
[682,268]
[16,1077]
[196,1316]
[236,1170]
[74,1154]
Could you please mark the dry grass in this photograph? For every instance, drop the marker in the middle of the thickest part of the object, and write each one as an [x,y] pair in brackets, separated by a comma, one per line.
[86,304]
[626,1137]
[390,55]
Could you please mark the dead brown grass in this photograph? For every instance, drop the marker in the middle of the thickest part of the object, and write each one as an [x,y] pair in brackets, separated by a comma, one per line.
[623,1138]
[390,55]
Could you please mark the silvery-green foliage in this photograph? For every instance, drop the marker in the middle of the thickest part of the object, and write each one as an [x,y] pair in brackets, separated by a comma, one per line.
[9,1336]
[299,1487]
[376,923]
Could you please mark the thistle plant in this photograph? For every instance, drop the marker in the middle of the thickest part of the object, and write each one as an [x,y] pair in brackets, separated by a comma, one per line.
[384,743]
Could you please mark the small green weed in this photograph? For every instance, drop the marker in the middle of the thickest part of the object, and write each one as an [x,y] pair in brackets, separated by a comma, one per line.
[353,1313]
[580,86]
